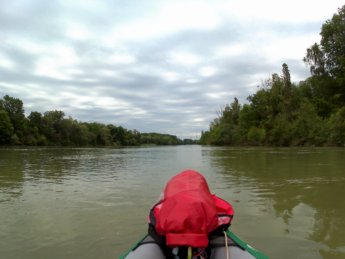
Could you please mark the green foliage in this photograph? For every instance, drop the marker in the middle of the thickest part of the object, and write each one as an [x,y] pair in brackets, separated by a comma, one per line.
[279,134]
[282,113]
[6,128]
[188,141]
[327,59]
[99,134]
[333,43]
[123,137]
[316,60]
[286,76]
[159,139]
[79,134]
[336,126]
[256,136]
[53,128]
[224,130]
[307,129]
[205,138]
[15,111]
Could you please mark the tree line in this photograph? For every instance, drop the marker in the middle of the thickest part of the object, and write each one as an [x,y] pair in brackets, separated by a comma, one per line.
[53,128]
[282,113]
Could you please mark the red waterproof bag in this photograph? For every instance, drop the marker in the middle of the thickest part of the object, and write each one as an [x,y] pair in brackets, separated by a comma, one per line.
[188,212]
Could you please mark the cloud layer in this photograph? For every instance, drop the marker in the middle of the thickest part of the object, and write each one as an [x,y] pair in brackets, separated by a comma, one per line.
[163,66]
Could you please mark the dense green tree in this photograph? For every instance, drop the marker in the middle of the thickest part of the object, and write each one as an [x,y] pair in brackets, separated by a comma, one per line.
[6,128]
[205,138]
[336,126]
[286,76]
[52,126]
[65,130]
[261,108]
[333,43]
[316,60]
[188,141]
[15,111]
[279,113]
[36,121]
[320,91]
[225,129]
[228,123]
[327,59]
[279,134]
[307,128]
[159,139]
[216,133]
[33,135]
[117,134]
[134,137]
[99,134]
[256,136]
[79,134]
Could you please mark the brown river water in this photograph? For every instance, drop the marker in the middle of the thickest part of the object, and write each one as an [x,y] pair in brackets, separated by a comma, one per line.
[93,202]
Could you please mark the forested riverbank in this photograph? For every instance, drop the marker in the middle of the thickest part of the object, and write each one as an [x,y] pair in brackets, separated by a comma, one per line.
[283,113]
[53,128]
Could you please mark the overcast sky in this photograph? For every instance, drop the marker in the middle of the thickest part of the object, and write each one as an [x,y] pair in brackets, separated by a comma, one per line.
[155,66]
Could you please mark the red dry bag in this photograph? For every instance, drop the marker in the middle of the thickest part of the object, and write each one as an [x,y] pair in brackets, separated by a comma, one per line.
[187,213]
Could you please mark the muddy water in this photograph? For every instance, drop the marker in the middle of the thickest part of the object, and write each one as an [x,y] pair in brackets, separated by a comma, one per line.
[92,203]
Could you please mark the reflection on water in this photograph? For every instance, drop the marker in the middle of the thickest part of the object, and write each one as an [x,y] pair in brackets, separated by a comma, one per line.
[304,188]
[67,203]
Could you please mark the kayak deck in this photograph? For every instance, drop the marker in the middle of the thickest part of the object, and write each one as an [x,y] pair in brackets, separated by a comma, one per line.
[146,248]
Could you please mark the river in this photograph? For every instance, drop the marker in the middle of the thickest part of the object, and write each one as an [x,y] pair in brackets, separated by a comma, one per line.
[93,202]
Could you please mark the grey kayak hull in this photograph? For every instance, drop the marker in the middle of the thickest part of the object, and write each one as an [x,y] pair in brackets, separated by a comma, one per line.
[153,251]
[237,249]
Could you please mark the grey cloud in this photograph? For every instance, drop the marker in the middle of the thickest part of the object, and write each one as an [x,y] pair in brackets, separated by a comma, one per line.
[40,19]
[174,107]
[23,61]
